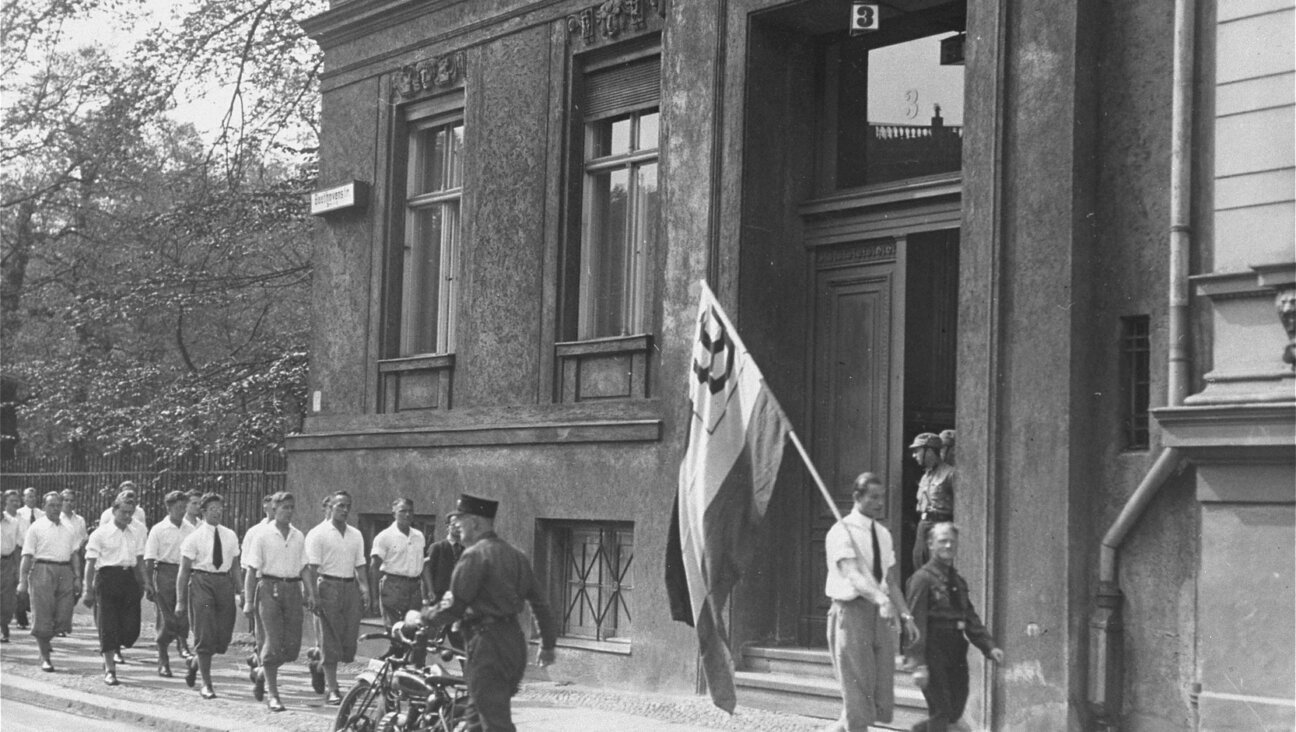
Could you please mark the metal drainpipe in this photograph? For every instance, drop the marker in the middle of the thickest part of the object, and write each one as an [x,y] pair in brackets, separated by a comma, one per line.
[1106,677]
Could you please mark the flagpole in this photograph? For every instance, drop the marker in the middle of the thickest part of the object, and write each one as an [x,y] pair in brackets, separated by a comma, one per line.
[796,441]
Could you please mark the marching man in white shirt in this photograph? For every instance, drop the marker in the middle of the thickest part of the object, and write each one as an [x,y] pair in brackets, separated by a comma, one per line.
[275,558]
[335,563]
[209,582]
[50,575]
[114,580]
[397,561]
[161,566]
[126,492]
[12,531]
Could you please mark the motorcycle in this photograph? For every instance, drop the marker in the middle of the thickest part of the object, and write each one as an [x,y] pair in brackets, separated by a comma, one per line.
[400,692]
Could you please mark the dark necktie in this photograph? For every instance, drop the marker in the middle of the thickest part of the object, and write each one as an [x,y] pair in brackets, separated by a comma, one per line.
[877,554]
[217,558]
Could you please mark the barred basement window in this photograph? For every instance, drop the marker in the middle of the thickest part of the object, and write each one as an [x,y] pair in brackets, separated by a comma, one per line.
[592,577]
[1135,381]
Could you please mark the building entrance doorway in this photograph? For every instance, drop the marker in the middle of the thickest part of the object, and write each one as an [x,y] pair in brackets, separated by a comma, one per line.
[881,365]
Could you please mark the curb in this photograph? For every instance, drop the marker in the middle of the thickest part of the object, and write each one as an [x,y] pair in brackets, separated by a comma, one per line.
[59,698]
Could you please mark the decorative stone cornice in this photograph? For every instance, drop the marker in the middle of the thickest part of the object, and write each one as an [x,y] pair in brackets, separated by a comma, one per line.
[611,19]
[438,73]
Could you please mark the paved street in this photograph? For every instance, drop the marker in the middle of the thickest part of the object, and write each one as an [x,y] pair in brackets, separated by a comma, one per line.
[22,717]
[144,700]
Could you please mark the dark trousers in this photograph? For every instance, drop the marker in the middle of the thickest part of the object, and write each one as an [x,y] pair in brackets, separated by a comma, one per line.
[279,616]
[497,653]
[211,611]
[8,588]
[117,608]
[171,626]
[398,595]
[947,685]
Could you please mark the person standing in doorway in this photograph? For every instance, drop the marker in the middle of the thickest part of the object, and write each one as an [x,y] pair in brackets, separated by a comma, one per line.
[396,559]
[275,559]
[207,587]
[50,575]
[114,583]
[946,622]
[335,567]
[161,567]
[935,491]
[11,539]
[487,591]
[866,602]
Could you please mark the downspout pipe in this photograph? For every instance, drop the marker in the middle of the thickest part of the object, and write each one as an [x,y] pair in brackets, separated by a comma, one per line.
[1106,647]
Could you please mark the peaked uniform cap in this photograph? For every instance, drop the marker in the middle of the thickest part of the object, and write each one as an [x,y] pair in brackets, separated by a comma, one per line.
[926,439]
[475,506]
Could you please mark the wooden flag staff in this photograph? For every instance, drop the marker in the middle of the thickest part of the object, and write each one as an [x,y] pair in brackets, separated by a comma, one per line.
[796,441]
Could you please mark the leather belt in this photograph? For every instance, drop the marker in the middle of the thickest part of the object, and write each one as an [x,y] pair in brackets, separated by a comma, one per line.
[207,571]
[272,578]
[116,567]
[165,564]
[389,575]
[337,579]
[937,517]
[51,561]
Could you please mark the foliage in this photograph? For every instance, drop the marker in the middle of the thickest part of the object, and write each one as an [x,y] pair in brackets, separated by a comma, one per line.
[156,281]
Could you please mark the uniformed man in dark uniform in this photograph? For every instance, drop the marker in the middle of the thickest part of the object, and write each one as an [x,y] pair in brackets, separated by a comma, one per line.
[942,610]
[487,589]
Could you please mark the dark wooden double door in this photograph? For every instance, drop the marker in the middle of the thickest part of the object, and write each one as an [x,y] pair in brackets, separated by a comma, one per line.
[881,364]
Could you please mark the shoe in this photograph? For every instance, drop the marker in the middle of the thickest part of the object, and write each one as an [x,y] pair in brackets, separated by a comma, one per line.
[191,674]
[258,684]
[110,678]
[61,634]
[117,657]
[4,638]
[164,670]
[47,667]
[207,693]
[274,704]
[333,698]
[314,663]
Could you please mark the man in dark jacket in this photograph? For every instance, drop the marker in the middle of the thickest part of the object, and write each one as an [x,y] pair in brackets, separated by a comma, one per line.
[487,591]
[942,610]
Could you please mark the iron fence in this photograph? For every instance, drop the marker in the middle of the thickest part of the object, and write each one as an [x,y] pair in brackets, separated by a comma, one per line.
[242,479]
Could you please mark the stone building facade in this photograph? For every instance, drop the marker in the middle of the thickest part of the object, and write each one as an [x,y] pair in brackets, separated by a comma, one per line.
[1064,228]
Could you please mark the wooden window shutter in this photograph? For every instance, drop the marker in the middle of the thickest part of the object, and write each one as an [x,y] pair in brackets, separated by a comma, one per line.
[632,85]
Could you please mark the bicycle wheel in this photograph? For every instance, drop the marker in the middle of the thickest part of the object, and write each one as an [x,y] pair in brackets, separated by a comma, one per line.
[361,709]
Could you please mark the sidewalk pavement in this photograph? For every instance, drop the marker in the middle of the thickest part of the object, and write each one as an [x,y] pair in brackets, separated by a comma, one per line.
[146,700]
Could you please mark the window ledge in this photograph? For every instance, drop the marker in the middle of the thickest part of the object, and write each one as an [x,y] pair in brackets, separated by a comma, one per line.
[616,648]
[604,369]
[415,363]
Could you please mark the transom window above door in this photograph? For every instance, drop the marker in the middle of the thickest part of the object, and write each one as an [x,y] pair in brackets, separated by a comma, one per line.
[893,99]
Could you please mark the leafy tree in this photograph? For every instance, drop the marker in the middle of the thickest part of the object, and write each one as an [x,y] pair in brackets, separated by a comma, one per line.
[155,283]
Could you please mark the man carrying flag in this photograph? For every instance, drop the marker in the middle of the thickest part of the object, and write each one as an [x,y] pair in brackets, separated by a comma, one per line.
[735,445]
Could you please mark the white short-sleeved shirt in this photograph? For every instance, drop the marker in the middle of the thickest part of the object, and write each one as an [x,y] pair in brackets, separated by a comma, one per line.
[110,546]
[12,532]
[30,515]
[50,542]
[334,553]
[271,553]
[400,554]
[248,536]
[106,517]
[164,540]
[197,548]
[838,545]
[78,522]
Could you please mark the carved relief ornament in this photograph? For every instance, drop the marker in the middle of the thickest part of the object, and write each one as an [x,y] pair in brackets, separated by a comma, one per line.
[855,253]
[436,73]
[1285,303]
[612,18]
